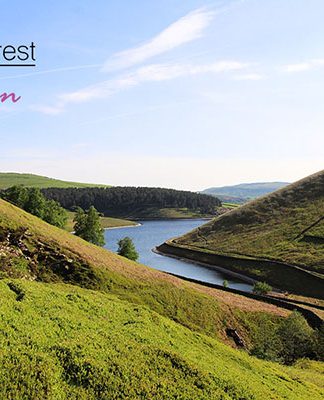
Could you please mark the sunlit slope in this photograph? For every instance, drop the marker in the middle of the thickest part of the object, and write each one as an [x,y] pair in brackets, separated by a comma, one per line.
[64,342]
[8,179]
[279,226]
[49,254]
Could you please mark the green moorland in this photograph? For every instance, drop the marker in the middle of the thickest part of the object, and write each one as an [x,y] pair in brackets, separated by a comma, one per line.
[273,227]
[63,342]
[315,230]
[79,322]
[8,179]
[106,222]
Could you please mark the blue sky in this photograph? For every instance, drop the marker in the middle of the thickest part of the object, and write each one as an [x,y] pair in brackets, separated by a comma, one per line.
[183,94]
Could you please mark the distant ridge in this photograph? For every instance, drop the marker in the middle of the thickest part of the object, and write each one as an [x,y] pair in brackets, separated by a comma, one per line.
[244,191]
[8,179]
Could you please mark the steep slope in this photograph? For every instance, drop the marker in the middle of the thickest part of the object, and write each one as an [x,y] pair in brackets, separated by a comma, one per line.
[8,179]
[244,191]
[274,228]
[63,342]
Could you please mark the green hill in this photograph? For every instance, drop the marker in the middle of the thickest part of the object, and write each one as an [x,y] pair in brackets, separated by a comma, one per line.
[63,342]
[244,191]
[8,179]
[79,322]
[285,227]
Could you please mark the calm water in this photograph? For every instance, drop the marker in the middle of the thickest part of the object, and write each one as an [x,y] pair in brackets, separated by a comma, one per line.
[153,233]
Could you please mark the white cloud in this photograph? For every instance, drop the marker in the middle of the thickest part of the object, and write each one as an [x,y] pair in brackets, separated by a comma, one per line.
[149,73]
[184,30]
[249,77]
[162,72]
[305,66]
[296,67]
[100,90]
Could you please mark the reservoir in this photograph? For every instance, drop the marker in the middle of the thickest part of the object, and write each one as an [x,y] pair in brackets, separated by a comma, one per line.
[153,233]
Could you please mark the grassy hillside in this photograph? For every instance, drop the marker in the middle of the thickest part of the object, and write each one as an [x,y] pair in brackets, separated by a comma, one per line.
[273,227]
[63,342]
[50,254]
[8,179]
[244,191]
[79,322]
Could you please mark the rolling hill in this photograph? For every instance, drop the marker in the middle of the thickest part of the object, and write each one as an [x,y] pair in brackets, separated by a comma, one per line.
[277,238]
[244,191]
[79,322]
[8,179]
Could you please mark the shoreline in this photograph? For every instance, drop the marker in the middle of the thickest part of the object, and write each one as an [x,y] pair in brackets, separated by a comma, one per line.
[123,226]
[225,271]
[158,219]
[310,286]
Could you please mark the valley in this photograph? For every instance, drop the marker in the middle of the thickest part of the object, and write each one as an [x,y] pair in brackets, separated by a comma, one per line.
[183,322]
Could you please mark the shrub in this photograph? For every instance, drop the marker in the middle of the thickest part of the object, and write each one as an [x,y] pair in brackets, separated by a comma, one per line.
[261,288]
[319,343]
[291,340]
[267,343]
[297,338]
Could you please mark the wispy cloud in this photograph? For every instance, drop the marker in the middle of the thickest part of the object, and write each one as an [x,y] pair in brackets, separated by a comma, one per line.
[162,72]
[51,71]
[149,73]
[249,77]
[304,66]
[184,30]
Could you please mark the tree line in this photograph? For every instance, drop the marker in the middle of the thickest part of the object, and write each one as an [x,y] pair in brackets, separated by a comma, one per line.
[86,222]
[118,201]
[33,201]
